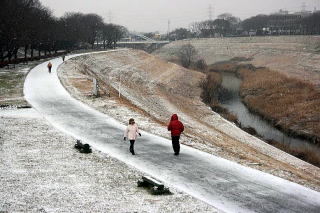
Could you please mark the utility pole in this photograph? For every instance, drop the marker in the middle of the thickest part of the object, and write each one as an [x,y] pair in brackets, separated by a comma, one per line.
[119,85]
[303,7]
[168,27]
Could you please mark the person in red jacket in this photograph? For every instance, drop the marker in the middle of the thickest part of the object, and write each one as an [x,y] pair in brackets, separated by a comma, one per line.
[49,67]
[176,128]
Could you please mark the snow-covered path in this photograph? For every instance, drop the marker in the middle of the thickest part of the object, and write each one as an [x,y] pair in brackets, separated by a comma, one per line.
[221,183]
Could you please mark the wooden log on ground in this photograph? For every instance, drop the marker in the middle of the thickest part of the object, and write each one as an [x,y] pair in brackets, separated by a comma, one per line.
[157,187]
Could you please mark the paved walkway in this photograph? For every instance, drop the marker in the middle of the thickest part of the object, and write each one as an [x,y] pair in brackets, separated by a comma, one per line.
[226,185]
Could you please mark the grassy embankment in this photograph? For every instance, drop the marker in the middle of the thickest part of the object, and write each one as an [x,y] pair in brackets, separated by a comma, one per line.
[291,105]
[11,88]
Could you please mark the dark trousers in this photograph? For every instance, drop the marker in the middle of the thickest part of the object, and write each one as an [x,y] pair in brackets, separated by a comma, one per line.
[176,144]
[49,69]
[132,146]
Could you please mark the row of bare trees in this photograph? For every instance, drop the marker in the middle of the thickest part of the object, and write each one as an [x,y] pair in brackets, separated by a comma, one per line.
[292,24]
[228,25]
[29,27]
[225,24]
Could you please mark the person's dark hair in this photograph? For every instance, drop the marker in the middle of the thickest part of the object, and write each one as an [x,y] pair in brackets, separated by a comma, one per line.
[131,121]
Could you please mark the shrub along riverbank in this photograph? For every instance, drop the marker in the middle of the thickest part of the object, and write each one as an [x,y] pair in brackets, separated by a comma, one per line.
[211,90]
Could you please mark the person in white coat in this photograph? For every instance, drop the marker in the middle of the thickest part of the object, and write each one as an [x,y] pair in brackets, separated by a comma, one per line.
[131,133]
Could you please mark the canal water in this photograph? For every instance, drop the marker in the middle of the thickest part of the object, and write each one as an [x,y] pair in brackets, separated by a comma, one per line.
[231,100]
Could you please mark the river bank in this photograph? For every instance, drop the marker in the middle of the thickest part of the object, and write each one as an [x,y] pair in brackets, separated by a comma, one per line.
[288,104]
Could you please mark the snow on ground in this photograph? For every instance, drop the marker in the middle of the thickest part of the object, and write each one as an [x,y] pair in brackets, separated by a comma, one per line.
[154,89]
[42,172]
[222,183]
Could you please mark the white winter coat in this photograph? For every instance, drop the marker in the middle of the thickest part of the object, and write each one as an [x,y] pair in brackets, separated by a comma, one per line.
[131,132]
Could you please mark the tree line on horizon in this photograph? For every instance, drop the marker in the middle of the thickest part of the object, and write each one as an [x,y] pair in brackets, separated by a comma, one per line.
[228,25]
[30,28]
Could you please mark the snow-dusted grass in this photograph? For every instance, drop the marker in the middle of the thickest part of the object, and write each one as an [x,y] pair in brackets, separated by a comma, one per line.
[11,85]
[42,172]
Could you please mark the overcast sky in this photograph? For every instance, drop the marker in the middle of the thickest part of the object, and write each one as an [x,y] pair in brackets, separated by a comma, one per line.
[153,15]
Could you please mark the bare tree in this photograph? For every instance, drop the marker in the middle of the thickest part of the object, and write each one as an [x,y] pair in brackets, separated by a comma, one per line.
[92,23]
[187,55]
[210,28]
[233,21]
[111,34]
[222,27]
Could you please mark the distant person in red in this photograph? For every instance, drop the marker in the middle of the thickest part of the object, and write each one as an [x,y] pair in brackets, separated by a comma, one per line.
[176,128]
[49,67]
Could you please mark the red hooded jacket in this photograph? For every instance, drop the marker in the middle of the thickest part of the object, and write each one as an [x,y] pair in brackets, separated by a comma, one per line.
[175,126]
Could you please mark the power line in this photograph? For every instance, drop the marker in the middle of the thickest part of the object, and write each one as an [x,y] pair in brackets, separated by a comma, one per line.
[165,19]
